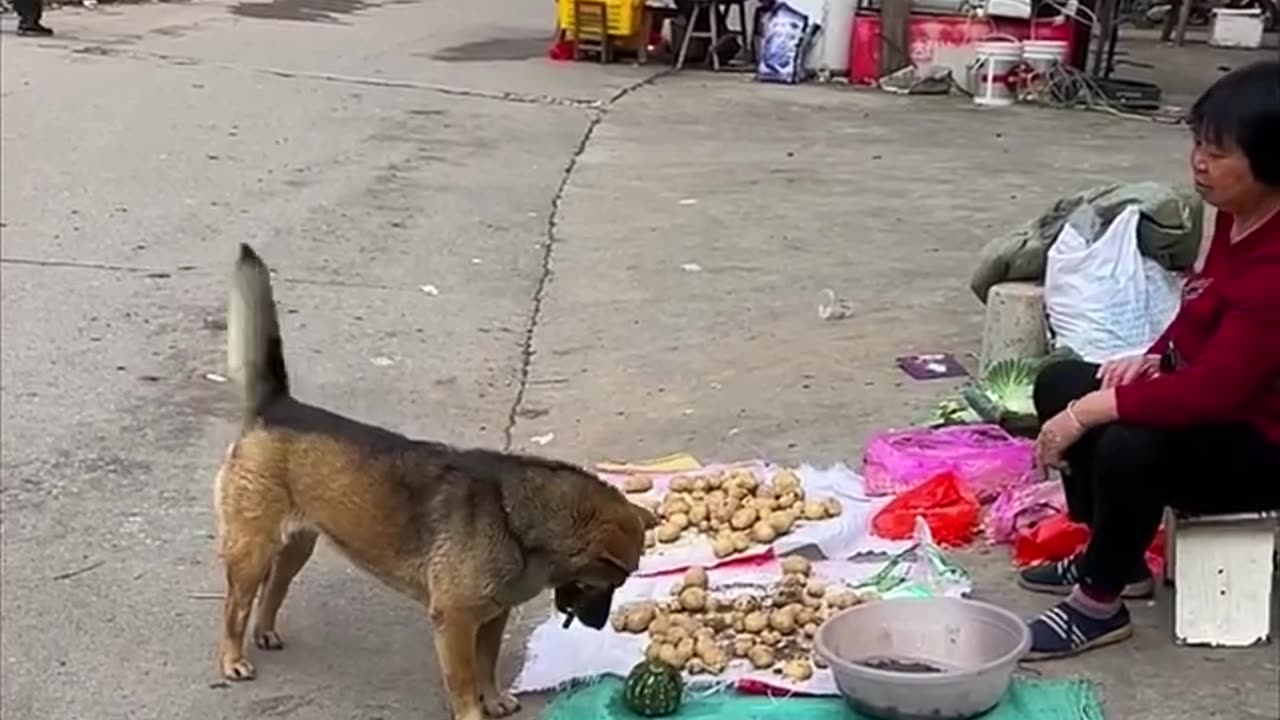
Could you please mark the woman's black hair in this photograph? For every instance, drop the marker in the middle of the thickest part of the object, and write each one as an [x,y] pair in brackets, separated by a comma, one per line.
[1243,109]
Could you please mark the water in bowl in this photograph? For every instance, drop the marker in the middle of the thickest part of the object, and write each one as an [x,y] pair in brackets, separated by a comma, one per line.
[909,666]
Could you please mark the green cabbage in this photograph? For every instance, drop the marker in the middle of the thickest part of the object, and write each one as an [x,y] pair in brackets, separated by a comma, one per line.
[1003,395]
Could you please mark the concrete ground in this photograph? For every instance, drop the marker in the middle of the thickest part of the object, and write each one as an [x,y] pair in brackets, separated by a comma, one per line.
[370,149]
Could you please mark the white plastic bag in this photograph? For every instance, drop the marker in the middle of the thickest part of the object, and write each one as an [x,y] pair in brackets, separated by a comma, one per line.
[1104,299]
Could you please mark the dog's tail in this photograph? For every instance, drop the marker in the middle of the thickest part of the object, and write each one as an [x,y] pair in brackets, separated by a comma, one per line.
[255,352]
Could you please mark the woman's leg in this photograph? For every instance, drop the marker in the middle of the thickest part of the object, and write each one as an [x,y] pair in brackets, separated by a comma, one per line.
[1138,472]
[1057,386]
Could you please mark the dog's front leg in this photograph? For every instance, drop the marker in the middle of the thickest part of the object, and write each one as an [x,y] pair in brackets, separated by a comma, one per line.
[497,702]
[456,633]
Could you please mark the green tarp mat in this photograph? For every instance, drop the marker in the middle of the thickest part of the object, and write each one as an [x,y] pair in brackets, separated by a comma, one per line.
[1026,700]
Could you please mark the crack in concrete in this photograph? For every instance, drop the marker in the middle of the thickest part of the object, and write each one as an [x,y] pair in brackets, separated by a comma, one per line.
[548,255]
[449,90]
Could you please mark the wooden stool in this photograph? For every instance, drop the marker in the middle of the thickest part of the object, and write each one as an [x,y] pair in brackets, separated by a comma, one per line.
[591,30]
[717,14]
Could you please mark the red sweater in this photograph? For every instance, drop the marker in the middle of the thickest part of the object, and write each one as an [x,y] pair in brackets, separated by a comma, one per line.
[1225,341]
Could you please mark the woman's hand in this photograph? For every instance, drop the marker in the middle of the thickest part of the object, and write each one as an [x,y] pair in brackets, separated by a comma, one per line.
[1123,371]
[1056,437]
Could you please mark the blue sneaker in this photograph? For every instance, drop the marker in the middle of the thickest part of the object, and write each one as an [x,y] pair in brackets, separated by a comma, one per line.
[1063,631]
[1061,577]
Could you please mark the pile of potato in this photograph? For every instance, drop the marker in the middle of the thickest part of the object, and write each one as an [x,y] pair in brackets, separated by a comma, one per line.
[699,633]
[733,508]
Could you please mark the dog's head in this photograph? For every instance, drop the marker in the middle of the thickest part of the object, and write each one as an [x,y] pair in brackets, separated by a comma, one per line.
[611,557]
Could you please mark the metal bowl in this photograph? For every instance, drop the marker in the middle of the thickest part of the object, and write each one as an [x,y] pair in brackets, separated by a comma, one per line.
[923,658]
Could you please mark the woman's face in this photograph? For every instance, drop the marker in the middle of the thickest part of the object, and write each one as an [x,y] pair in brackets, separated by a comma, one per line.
[1223,177]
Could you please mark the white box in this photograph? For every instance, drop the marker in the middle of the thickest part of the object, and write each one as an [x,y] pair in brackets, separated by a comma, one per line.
[1223,568]
[1236,28]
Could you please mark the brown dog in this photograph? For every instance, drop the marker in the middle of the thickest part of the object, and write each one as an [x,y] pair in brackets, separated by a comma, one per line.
[470,534]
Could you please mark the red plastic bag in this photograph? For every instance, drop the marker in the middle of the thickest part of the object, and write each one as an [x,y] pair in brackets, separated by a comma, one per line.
[1059,538]
[949,508]
[1051,540]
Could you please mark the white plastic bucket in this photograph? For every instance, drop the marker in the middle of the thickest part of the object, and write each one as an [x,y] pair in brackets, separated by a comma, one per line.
[1041,55]
[993,84]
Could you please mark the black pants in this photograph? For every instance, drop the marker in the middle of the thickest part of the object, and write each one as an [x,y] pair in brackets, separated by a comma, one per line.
[1120,478]
[29,12]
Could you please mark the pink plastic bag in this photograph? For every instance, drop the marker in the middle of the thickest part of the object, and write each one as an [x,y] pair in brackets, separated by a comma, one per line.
[1022,506]
[985,457]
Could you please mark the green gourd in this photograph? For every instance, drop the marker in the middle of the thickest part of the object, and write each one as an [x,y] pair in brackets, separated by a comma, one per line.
[653,689]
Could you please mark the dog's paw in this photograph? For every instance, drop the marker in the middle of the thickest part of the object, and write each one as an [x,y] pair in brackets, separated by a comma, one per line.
[268,640]
[237,669]
[500,704]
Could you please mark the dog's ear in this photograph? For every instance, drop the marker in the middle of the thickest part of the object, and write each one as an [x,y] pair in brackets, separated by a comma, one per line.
[647,517]
[617,553]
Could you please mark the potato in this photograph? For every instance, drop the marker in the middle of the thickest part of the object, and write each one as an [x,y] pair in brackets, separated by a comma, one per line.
[784,621]
[786,480]
[755,621]
[693,599]
[842,600]
[652,652]
[763,533]
[833,507]
[700,485]
[742,645]
[761,657]
[716,660]
[816,588]
[695,577]
[745,604]
[797,670]
[810,629]
[685,647]
[680,484]
[618,621]
[638,617]
[722,547]
[786,501]
[772,638]
[679,520]
[695,666]
[677,505]
[814,511]
[743,519]
[720,621]
[637,484]
[698,513]
[805,615]
[737,492]
[661,624]
[668,654]
[796,564]
[740,541]
[667,533]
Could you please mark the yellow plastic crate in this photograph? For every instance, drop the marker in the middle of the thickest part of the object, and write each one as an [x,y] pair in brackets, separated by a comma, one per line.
[624,16]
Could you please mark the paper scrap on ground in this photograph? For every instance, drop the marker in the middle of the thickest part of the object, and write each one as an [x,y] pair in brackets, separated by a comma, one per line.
[846,536]
[557,657]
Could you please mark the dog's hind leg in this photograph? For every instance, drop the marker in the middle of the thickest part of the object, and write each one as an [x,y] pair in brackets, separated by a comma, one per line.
[286,565]
[497,702]
[247,557]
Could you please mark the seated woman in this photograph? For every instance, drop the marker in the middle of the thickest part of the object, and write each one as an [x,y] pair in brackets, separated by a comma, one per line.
[1194,424]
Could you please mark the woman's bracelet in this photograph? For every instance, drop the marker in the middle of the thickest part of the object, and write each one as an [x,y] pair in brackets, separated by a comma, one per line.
[1071,413]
